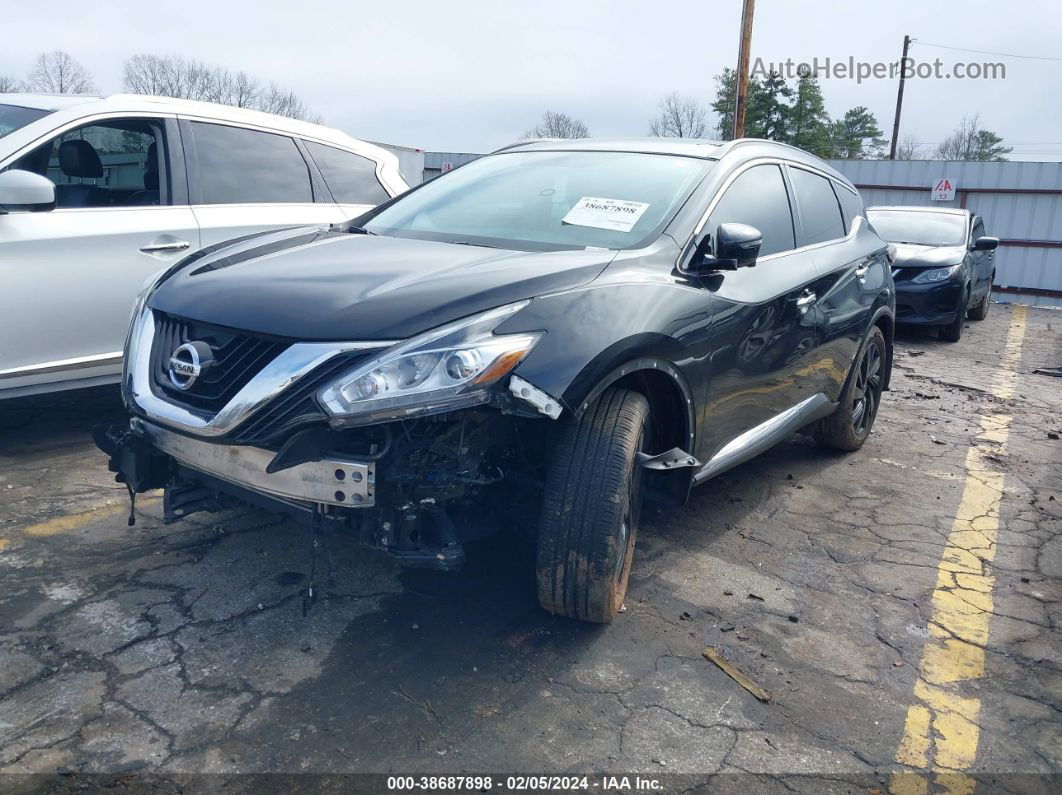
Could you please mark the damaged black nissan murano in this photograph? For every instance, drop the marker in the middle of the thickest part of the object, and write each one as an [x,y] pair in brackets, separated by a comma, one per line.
[556,331]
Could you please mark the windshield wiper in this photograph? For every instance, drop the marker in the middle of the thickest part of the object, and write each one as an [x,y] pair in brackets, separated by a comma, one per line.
[467,243]
[359,230]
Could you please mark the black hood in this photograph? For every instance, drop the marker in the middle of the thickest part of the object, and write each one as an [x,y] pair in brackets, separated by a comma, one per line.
[914,255]
[316,284]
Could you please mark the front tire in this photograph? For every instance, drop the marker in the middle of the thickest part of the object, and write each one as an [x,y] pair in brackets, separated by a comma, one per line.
[980,312]
[848,427]
[953,331]
[591,509]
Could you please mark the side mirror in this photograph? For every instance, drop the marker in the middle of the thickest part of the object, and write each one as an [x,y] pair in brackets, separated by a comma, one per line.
[736,246]
[24,190]
[985,243]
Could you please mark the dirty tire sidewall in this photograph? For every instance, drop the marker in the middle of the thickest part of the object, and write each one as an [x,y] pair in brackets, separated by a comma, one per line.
[593,487]
[980,312]
[953,331]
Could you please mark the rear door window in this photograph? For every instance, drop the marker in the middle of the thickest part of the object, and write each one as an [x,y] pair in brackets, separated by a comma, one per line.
[241,166]
[851,205]
[820,212]
[758,197]
[351,178]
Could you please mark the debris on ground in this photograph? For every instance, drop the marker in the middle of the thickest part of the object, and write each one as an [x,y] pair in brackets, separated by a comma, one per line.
[1052,371]
[726,667]
[935,440]
[916,353]
[685,616]
[757,597]
[1052,435]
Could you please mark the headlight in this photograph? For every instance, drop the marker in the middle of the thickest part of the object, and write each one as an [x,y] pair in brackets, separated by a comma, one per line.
[935,275]
[446,368]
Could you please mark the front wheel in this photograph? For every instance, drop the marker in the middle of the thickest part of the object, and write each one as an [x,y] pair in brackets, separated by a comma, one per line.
[953,331]
[980,312]
[850,426]
[591,509]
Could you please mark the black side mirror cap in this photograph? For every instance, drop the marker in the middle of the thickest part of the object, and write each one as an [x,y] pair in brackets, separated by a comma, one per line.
[985,243]
[736,246]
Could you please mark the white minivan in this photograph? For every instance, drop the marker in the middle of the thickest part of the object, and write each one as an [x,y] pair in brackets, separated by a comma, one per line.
[97,194]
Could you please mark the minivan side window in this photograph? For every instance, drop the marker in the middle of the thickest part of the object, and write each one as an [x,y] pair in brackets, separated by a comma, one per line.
[758,197]
[241,166]
[820,212]
[851,205]
[350,177]
[115,163]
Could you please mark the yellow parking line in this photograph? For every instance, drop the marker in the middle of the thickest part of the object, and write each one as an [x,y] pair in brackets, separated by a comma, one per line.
[941,731]
[72,521]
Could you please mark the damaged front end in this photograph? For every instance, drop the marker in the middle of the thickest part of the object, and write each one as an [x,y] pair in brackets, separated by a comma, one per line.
[416,448]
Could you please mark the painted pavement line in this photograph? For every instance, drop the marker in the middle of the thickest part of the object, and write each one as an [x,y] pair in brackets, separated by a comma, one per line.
[941,731]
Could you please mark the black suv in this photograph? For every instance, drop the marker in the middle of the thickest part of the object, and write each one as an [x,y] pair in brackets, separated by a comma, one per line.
[552,332]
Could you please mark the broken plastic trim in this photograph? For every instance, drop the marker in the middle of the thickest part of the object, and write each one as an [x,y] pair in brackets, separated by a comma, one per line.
[674,458]
[530,393]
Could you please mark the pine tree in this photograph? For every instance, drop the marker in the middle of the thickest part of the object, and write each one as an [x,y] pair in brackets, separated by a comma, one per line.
[807,122]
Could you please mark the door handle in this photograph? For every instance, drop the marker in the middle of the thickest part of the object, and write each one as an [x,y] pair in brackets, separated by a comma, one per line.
[169,245]
[806,299]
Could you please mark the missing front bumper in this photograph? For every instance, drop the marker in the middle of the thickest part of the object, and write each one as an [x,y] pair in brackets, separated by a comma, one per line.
[341,482]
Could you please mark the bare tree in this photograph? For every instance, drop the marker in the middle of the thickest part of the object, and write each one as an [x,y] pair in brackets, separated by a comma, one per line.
[57,73]
[910,148]
[970,141]
[680,117]
[9,85]
[174,76]
[558,125]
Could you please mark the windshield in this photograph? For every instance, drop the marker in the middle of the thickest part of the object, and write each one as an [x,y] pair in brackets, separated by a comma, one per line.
[547,201]
[12,117]
[925,229]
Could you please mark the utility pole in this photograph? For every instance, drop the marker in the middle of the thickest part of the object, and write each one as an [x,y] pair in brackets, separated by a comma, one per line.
[899,99]
[741,94]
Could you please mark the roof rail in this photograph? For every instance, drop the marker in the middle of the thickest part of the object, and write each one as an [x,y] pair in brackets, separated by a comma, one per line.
[523,142]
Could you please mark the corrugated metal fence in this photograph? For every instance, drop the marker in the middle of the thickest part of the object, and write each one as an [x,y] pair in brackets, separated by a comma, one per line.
[1020,202]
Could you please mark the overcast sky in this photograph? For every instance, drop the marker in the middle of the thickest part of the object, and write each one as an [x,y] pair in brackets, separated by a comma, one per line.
[471,76]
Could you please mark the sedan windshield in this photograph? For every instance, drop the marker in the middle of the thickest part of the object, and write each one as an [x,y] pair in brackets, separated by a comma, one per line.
[12,117]
[547,201]
[922,228]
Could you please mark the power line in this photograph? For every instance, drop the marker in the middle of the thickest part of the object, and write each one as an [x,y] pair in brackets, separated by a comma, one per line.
[990,52]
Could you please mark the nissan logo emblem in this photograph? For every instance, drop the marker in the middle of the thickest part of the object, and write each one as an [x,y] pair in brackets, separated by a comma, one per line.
[188,362]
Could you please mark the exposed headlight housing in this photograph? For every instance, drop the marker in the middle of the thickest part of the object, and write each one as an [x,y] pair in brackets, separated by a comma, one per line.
[936,274]
[447,368]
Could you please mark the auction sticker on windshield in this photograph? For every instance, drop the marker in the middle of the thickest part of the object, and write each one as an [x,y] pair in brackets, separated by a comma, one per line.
[614,214]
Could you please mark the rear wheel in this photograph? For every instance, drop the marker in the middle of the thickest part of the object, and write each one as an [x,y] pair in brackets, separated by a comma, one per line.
[980,312]
[953,331]
[849,426]
[591,509]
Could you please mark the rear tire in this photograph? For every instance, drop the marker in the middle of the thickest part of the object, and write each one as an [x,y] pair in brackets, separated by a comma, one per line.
[591,509]
[980,312]
[953,331]
[848,427]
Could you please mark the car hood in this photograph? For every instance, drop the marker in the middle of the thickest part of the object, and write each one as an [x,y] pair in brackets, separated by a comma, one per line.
[911,255]
[318,284]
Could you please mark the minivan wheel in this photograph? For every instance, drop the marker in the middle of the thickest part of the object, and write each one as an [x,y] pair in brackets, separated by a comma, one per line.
[953,331]
[850,426]
[591,509]
[980,312]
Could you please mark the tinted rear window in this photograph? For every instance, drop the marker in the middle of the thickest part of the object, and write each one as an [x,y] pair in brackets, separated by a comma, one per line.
[820,213]
[238,166]
[350,177]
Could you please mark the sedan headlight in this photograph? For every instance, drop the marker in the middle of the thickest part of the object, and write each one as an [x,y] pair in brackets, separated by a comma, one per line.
[447,368]
[935,275]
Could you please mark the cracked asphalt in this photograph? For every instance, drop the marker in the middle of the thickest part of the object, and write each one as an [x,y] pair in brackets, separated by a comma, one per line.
[154,652]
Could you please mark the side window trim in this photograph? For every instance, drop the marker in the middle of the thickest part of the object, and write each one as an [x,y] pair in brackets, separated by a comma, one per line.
[191,159]
[322,194]
[176,170]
